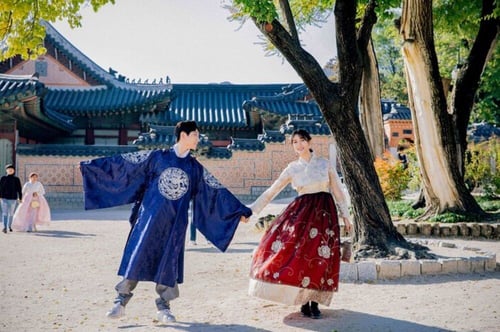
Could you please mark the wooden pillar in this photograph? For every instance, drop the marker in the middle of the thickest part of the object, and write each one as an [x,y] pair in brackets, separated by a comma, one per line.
[123,136]
[89,136]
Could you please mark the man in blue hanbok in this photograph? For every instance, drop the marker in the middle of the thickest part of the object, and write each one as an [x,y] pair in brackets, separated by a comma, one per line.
[161,184]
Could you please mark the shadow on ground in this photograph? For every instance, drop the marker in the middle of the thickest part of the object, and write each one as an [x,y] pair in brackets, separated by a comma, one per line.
[195,327]
[352,321]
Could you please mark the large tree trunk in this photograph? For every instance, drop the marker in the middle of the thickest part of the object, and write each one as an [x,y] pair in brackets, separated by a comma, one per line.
[370,109]
[375,234]
[435,137]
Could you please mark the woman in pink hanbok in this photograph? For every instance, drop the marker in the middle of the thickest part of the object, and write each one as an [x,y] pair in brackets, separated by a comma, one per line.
[34,209]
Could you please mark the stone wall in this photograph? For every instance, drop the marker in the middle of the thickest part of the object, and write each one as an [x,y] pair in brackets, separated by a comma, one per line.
[246,174]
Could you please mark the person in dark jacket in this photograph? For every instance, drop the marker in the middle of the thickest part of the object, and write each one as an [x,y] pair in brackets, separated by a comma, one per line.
[10,194]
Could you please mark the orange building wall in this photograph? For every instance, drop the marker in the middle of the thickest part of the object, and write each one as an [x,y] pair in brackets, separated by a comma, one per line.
[398,126]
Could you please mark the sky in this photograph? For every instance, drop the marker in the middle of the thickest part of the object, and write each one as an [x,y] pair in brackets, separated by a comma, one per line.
[191,41]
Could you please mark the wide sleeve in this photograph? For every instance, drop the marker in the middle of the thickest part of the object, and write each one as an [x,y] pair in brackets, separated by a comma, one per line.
[216,211]
[338,193]
[267,196]
[115,180]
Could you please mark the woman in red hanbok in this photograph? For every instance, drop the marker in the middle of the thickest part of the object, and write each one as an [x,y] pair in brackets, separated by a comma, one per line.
[298,259]
[34,209]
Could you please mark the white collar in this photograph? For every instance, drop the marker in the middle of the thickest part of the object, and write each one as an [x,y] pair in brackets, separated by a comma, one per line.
[177,153]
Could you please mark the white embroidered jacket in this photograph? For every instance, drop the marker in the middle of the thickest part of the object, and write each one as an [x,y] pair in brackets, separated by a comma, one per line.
[314,176]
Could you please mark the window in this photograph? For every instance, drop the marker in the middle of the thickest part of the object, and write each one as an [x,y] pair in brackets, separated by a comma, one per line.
[41,68]
[407,131]
[395,134]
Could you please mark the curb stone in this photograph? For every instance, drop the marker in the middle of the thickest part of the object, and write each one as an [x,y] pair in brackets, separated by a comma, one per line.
[372,270]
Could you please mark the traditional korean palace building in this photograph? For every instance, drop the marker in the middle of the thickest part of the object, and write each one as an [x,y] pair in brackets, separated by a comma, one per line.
[63,108]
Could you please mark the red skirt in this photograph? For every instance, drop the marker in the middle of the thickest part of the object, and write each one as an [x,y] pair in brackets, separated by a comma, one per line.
[298,258]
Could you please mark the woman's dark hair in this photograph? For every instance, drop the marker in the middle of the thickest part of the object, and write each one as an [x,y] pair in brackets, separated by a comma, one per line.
[302,133]
[184,126]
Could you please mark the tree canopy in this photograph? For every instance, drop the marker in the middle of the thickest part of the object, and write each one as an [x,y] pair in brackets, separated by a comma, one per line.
[21,33]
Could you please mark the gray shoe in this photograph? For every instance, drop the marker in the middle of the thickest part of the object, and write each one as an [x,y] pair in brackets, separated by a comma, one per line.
[116,312]
[166,316]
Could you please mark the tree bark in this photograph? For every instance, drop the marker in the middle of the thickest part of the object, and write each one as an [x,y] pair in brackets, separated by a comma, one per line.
[435,136]
[370,109]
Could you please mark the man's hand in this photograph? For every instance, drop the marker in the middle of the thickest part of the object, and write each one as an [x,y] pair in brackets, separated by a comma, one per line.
[244,219]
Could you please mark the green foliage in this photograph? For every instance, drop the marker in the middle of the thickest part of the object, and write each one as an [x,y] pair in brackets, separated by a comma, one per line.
[489,205]
[393,177]
[403,209]
[20,30]
[487,107]
[261,11]
[450,218]
[482,168]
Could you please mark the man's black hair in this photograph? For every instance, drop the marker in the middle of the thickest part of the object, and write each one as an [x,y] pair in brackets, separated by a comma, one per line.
[184,126]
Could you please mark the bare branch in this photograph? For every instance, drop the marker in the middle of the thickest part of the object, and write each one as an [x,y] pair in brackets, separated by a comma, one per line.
[289,20]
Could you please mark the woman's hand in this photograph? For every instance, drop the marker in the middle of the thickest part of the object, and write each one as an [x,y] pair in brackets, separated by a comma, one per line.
[347,224]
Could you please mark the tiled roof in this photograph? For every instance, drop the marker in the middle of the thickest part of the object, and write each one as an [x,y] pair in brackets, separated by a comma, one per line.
[247,144]
[313,124]
[291,101]
[72,150]
[213,106]
[103,100]
[272,136]
[398,112]
[28,91]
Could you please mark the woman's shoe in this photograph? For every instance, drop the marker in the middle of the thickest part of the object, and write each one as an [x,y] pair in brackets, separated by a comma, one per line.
[315,313]
[306,310]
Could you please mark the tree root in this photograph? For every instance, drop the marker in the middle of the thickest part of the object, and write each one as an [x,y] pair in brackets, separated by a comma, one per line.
[394,251]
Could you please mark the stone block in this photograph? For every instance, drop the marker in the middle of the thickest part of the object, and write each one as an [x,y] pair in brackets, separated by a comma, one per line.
[431,266]
[449,265]
[425,229]
[454,230]
[477,264]
[463,265]
[367,271]
[463,229]
[410,268]
[348,272]
[445,231]
[491,262]
[475,230]
[486,230]
[411,228]
[389,270]
[436,229]
[401,228]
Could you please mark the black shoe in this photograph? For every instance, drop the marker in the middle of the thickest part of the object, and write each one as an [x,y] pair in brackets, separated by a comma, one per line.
[5,230]
[306,310]
[10,229]
[315,313]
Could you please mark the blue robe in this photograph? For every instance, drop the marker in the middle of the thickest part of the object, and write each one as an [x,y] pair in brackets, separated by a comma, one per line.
[161,184]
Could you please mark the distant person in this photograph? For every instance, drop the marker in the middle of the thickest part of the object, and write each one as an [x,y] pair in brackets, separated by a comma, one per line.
[161,183]
[298,259]
[402,157]
[34,209]
[10,193]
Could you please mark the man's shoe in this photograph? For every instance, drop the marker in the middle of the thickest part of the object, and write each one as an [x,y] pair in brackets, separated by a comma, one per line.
[306,310]
[10,229]
[117,311]
[5,230]
[315,313]
[166,316]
